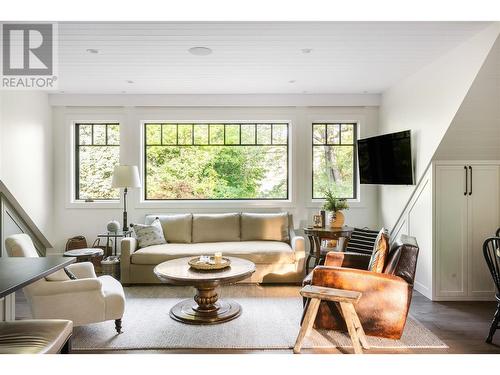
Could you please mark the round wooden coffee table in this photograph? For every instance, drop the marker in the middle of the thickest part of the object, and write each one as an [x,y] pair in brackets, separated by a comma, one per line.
[206,307]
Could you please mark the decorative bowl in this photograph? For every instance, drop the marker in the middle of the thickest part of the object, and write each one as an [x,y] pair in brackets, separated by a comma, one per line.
[198,264]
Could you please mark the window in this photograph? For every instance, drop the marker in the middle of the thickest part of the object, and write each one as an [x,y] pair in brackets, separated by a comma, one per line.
[218,161]
[97,151]
[334,159]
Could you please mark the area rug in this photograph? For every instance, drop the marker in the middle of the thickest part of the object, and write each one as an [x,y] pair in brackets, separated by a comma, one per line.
[270,320]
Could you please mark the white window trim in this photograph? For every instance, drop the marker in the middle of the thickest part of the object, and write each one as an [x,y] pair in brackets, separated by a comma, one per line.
[359,120]
[70,122]
[185,204]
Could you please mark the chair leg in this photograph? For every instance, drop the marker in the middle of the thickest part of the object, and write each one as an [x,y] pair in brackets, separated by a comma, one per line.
[118,325]
[307,324]
[494,324]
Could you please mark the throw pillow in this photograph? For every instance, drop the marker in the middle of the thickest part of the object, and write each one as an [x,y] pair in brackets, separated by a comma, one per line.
[149,235]
[380,250]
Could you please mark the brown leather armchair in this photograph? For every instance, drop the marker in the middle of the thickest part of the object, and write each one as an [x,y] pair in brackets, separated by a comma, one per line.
[386,296]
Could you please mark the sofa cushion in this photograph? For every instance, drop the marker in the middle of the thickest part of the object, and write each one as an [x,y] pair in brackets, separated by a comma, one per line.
[216,227]
[259,252]
[176,228]
[264,227]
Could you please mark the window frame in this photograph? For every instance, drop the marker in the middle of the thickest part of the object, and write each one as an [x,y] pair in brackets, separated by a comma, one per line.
[76,158]
[354,145]
[210,122]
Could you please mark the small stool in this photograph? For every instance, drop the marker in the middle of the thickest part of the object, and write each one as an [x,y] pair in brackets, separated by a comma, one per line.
[345,299]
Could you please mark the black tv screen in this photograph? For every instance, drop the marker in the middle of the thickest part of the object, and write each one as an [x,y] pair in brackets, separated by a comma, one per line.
[386,159]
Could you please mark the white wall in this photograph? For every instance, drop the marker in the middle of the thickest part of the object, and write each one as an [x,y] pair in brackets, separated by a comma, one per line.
[26,154]
[1,130]
[474,133]
[73,219]
[426,102]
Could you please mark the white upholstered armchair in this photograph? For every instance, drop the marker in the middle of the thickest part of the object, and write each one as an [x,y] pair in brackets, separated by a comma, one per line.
[84,300]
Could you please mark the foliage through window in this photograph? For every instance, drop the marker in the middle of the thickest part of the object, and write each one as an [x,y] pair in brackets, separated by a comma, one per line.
[334,159]
[218,161]
[97,152]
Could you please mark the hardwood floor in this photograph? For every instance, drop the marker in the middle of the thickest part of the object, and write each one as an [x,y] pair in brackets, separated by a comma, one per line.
[463,326]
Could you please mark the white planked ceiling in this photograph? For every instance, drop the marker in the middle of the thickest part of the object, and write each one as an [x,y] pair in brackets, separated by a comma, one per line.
[250,57]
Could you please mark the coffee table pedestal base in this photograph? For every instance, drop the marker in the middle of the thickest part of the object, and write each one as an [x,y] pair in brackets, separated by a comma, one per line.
[187,312]
[206,308]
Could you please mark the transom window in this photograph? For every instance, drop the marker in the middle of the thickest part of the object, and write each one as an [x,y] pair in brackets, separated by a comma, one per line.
[334,159]
[216,161]
[97,151]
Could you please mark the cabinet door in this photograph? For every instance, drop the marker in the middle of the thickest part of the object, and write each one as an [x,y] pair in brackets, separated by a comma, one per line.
[451,231]
[483,221]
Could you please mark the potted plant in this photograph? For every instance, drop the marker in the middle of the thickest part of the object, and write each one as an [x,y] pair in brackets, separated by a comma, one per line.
[334,207]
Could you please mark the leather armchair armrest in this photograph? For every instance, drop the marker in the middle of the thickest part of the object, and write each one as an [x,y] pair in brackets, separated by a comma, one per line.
[359,280]
[348,260]
[84,270]
[48,288]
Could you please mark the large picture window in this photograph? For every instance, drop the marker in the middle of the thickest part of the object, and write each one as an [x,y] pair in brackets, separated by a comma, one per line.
[97,151]
[216,161]
[334,159]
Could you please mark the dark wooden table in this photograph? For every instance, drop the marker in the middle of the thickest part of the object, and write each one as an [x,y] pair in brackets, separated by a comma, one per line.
[16,273]
[206,307]
[315,235]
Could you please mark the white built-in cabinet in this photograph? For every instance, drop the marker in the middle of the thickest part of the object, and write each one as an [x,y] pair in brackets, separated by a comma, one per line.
[466,212]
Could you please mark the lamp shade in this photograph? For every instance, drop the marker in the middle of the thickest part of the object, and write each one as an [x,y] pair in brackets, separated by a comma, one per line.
[126,176]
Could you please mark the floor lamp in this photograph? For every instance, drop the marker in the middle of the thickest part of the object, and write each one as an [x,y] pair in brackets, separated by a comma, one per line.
[126,176]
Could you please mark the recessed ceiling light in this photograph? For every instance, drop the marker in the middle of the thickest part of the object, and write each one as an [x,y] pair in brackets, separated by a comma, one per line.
[200,51]
[306,50]
[291,81]
[129,81]
[92,50]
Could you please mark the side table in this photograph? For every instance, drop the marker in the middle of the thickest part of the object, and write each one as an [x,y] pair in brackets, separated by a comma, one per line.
[315,235]
[84,255]
[114,235]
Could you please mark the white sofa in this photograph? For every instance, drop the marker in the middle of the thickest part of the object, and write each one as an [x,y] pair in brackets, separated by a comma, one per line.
[268,240]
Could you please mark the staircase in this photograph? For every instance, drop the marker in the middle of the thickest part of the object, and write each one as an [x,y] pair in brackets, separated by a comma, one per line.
[14,219]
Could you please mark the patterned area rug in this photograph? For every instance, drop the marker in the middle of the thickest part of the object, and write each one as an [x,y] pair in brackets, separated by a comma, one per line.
[270,320]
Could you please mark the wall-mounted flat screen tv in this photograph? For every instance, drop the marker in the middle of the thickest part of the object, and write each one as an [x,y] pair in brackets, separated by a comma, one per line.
[386,159]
